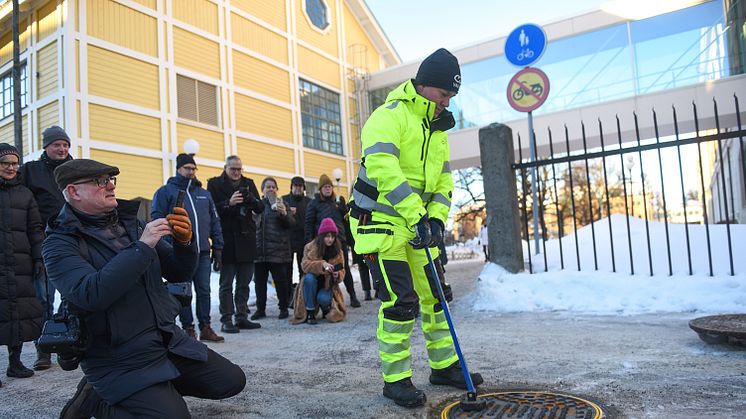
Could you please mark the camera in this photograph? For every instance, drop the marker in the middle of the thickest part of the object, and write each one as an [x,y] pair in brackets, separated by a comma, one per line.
[64,335]
[244,193]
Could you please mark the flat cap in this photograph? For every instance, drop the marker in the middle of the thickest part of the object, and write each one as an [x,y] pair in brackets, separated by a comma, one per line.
[80,169]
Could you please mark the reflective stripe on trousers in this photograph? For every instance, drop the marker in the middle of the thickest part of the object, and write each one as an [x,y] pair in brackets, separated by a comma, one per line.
[402,274]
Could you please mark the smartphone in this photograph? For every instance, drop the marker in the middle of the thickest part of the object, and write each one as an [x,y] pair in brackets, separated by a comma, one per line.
[180,198]
[338,267]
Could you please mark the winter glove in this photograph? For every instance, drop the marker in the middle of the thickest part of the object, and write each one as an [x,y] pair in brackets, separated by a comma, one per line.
[180,224]
[436,232]
[39,272]
[216,259]
[421,234]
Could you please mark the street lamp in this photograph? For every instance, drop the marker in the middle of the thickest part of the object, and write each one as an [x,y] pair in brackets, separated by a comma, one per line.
[191,146]
[337,175]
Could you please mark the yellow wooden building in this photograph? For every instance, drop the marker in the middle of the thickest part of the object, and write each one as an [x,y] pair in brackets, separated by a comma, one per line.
[274,81]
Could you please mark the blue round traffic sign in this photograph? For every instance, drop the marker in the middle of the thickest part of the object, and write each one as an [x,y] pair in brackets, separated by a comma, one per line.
[525,44]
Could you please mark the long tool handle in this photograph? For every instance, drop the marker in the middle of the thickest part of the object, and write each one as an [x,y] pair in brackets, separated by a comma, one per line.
[472,394]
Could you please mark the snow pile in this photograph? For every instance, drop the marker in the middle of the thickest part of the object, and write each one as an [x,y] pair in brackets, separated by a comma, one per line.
[605,292]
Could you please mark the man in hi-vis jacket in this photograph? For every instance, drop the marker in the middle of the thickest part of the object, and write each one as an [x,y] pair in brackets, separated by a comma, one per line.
[400,203]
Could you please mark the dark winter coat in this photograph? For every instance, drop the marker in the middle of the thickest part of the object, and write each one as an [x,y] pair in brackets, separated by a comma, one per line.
[21,236]
[206,223]
[38,176]
[321,208]
[272,236]
[297,236]
[237,223]
[130,314]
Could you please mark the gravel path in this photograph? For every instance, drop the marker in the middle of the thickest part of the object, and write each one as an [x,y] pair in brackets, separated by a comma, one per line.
[646,366]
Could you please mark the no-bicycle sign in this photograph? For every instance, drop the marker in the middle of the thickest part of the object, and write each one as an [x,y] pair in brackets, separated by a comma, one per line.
[528,89]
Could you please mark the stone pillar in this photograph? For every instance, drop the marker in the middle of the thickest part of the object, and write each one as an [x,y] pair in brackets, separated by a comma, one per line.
[503,218]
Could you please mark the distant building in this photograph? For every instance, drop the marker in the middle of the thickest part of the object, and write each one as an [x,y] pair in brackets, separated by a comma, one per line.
[275,82]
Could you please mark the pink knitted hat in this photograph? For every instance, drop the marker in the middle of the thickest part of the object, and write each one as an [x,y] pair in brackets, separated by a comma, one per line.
[327,226]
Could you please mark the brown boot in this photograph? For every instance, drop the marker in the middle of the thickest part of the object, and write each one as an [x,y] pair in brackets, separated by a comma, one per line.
[207,334]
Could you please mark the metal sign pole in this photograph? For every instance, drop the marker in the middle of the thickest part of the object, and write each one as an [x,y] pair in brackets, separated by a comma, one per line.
[534,173]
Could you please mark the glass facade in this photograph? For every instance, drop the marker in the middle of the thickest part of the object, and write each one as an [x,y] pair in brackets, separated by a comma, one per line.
[320,117]
[676,49]
[6,86]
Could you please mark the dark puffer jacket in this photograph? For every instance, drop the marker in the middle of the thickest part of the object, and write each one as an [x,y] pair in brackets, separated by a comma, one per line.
[321,208]
[21,236]
[237,222]
[38,176]
[130,318]
[273,236]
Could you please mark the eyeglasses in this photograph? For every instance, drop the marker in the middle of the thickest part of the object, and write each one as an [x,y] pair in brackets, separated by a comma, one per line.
[235,169]
[7,164]
[100,182]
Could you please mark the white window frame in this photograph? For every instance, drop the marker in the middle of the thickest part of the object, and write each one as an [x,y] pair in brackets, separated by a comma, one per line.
[325,30]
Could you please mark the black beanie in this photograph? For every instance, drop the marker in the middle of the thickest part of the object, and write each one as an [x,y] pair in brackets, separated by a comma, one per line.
[183,159]
[53,134]
[441,70]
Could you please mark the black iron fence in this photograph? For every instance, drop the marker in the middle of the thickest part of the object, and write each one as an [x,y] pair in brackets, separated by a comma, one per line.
[589,188]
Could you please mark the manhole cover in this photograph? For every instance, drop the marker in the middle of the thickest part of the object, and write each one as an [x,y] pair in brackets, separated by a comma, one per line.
[528,404]
[725,328]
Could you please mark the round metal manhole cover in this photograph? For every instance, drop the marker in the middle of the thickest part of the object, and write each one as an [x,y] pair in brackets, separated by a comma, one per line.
[724,328]
[528,404]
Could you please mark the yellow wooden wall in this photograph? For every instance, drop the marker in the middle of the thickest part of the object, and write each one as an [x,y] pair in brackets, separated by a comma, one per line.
[139,176]
[8,136]
[125,75]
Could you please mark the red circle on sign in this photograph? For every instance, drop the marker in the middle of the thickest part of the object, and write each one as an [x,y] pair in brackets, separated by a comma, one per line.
[528,91]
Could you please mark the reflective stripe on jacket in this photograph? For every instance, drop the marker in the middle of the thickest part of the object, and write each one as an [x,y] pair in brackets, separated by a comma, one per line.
[405,170]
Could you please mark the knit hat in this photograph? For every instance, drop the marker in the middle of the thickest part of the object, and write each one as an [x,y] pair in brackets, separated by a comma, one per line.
[298,181]
[183,159]
[441,70]
[324,180]
[75,170]
[8,150]
[53,134]
[327,226]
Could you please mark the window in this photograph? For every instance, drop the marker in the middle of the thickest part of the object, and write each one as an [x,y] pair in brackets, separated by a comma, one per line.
[198,101]
[6,86]
[317,13]
[320,116]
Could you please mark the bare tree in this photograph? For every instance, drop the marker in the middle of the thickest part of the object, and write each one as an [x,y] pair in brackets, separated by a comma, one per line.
[470,183]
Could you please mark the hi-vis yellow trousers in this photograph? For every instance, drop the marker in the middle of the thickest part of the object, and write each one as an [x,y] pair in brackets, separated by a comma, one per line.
[404,279]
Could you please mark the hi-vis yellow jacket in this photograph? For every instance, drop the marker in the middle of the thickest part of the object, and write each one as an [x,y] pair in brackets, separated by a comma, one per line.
[405,170]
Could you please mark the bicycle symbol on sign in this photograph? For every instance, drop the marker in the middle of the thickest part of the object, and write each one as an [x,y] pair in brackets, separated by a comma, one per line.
[536,88]
[525,53]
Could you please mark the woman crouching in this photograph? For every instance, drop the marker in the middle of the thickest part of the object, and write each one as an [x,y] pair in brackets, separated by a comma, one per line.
[319,288]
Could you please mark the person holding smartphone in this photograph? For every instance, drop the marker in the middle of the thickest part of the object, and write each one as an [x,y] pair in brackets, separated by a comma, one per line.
[323,264]
[272,250]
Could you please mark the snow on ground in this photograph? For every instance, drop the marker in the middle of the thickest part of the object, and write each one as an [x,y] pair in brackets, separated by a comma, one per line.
[604,292]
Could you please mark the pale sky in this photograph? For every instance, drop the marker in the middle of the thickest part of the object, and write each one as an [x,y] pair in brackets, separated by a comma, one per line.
[417,27]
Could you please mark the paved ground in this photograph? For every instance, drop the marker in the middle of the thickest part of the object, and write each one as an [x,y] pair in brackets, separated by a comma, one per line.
[649,366]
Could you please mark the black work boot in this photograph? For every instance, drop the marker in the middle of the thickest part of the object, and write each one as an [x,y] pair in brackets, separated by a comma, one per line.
[242,323]
[353,300]
[15,366]
[367,295]
[75,408]
[43,360]
[404,393]
[228,327]
[454,376]
[311,317]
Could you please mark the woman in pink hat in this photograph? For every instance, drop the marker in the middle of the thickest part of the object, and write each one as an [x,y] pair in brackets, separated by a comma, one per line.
[323,264]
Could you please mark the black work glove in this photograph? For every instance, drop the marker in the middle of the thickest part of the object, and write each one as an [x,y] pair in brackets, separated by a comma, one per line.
[421,234]
[217,259]
[436,232]
[39,272]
